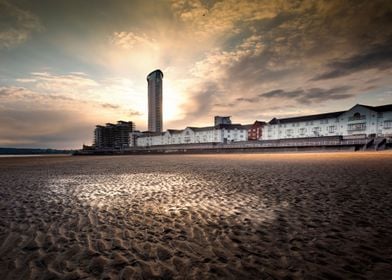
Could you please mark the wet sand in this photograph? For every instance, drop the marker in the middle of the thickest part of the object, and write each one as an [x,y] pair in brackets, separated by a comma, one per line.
[238,216]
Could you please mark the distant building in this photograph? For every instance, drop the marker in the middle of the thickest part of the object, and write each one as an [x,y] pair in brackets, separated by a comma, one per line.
[113,136]
[154,80]
[222,120]
[221,133]
[133,137]
[255,130]
[359,121]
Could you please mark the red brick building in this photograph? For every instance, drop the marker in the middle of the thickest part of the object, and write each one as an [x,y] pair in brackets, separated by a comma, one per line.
[255,130]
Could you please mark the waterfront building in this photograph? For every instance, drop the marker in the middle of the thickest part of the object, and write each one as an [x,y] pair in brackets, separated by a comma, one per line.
[154,80]
[255,130]
[113,136]
[358,121]
[133,138]
[222,120]
[222,133]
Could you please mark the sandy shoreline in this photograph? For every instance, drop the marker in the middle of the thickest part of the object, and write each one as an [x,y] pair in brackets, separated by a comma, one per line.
[247,216]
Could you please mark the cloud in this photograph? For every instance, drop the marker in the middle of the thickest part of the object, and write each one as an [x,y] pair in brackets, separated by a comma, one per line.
[245,99]
[12,91]
[303,96]
[208,18]
[217,57]
[21,93]
[218,61]
[128,40]
[378,57]
[199,103]
[18,25]
[110,106]
[76,83]
[45,119]
[44,128]
[282,48]
[312,95]
[134,113]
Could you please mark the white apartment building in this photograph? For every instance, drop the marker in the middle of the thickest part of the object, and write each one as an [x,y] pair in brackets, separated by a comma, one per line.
[360,120]
[224,133]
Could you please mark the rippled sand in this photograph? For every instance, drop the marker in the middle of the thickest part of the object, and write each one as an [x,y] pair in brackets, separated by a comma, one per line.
[259,216]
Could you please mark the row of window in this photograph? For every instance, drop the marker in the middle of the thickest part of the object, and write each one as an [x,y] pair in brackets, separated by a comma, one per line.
[302,131]
[356,127]
[306,124]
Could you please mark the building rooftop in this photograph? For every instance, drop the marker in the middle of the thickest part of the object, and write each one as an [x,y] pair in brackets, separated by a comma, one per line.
[382,108]
[206,128]
[154,73]
[306,118]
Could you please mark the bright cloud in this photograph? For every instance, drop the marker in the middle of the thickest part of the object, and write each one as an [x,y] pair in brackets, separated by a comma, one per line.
[128,40]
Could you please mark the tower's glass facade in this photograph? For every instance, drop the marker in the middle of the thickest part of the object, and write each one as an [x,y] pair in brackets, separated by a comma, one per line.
[154,80]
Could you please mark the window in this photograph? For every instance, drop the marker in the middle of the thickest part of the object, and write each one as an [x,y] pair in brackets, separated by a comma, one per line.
[331,129]
[356,117]
[388,124]
[356,127]
[323,121]
[302,131]
[379,115]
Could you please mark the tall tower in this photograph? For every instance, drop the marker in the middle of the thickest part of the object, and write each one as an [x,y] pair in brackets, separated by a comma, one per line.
[154,80]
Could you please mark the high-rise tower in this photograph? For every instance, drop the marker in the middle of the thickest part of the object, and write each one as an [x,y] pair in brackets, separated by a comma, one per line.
[154,80]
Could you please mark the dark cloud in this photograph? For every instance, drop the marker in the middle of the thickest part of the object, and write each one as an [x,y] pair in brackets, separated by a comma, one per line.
[250,100]
[312,95]
[62,98]
[9,91]
[16,24]
[117,107]
[306,35]
[134,113]
[109,106]
[223,105]
[378,57]
[282,93]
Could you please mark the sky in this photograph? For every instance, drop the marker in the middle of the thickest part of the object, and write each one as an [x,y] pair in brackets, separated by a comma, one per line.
[66,66]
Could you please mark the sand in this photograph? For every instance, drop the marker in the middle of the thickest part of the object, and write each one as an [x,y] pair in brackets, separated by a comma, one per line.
[253,216]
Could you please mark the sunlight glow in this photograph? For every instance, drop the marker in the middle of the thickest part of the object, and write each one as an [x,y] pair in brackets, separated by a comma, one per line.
[173,97]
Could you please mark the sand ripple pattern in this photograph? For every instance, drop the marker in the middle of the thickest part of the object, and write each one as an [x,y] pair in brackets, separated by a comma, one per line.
[196,217]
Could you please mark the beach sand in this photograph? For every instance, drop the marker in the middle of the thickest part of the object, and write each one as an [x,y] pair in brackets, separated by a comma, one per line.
[237,216]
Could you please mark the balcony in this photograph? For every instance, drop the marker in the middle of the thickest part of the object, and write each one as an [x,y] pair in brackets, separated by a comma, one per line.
[356,128]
